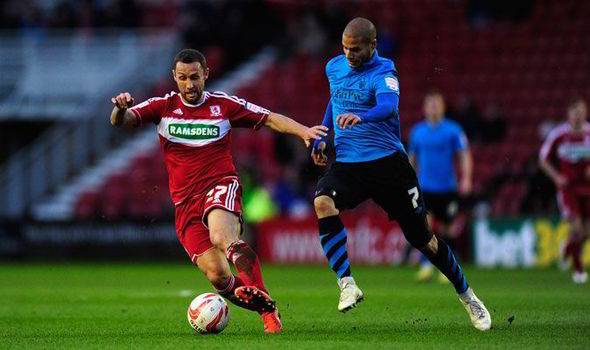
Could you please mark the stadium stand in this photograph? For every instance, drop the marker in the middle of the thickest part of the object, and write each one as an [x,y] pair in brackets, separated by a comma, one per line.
[522,65]
[527,68]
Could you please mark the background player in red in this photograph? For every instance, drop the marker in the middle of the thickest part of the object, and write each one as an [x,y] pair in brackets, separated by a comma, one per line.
[565,157]
[194,128]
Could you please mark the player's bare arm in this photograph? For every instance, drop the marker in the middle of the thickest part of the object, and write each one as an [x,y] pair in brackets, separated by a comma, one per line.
[466,163]
[120,114]
[286,125]
[550,170]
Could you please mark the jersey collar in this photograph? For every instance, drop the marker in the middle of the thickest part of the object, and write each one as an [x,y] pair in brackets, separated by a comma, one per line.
[369,63]
[204,96]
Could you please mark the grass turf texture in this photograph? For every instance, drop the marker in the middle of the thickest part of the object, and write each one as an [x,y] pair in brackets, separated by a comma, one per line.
[142,306]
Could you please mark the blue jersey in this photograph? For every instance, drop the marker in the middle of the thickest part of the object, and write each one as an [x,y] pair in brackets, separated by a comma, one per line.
[434,146]
[354,90]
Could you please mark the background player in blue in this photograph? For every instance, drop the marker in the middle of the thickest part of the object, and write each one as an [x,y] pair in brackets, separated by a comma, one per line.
[433,145]
[371,163]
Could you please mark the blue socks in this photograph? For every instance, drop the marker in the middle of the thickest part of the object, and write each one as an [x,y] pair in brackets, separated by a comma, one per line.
[445,261]
[333,239]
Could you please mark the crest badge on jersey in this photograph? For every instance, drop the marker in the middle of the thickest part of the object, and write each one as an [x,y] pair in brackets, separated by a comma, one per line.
[215,111]
[362,83]
[392,83]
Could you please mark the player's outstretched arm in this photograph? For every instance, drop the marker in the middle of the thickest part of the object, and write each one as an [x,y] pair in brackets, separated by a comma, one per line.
[120,114]
[286,125]
[466,163]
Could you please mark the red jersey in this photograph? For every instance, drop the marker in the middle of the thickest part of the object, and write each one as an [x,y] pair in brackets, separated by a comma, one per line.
[571,151]
[196,138]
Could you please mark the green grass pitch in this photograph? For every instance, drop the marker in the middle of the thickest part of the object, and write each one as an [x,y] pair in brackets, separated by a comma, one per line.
[143,306]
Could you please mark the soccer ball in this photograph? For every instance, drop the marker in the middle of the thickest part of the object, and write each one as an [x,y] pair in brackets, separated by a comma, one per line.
[208,313]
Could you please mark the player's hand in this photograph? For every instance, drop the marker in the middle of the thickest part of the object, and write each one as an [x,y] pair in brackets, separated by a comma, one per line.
[123,100]
[318,156]
[465,187]
[345,120]
[560,180]
[314,133]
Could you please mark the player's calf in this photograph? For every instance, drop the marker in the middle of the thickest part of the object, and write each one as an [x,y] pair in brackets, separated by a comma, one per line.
[246,262]
[441,256]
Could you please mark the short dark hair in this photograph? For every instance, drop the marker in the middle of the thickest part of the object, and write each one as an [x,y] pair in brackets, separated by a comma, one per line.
[190,56]
[362,28]
[434,92]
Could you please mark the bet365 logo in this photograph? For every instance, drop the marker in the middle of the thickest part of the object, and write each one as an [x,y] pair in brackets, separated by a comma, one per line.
[194,131]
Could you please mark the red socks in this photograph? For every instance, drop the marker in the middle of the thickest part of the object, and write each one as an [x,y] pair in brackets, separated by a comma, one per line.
[247,264]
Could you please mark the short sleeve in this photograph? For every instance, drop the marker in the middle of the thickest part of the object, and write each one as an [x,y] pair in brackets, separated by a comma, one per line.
[247,115]
[385,82]
[460,141]
[149,111]
[548,148]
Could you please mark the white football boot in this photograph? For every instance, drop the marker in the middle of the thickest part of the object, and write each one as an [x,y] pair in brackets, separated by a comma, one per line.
[479,315]
[580,277]
[350,294]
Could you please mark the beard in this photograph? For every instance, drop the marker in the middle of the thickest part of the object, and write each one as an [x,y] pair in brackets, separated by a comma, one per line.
[192,97]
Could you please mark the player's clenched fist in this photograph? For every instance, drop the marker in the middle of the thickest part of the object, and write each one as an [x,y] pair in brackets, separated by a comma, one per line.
[123,100]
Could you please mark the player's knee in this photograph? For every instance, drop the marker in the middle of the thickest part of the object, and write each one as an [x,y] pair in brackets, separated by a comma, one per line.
[418,234]
[431,247]
[222,237]
[218,237]
[324,206]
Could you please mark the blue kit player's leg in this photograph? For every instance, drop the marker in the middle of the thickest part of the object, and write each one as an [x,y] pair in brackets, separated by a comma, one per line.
[339,189]
[403,202]
[442,208]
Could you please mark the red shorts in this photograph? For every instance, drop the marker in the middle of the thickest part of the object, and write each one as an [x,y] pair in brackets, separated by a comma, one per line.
[191,215]
[572,204]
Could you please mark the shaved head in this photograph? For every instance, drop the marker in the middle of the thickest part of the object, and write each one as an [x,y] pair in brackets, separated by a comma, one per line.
[361,28]
[359,41]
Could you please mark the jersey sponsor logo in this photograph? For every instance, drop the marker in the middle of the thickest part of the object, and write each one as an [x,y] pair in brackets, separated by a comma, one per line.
[215,111]
[194,131]
[350,94]
[573,151]
[178,111]
[392,83]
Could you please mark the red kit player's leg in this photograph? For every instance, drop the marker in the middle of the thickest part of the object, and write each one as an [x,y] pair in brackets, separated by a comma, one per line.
[225,229]
[573,207]
[246,262]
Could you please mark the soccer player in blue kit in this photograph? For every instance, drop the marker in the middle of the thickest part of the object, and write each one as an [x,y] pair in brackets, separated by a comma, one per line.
[371,163]
[432,148]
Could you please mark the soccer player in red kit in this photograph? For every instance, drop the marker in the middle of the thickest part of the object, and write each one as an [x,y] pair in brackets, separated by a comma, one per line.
[568,146]
[194,127]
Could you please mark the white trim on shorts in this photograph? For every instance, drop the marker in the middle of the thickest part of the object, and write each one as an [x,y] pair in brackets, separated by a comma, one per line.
[229,202]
